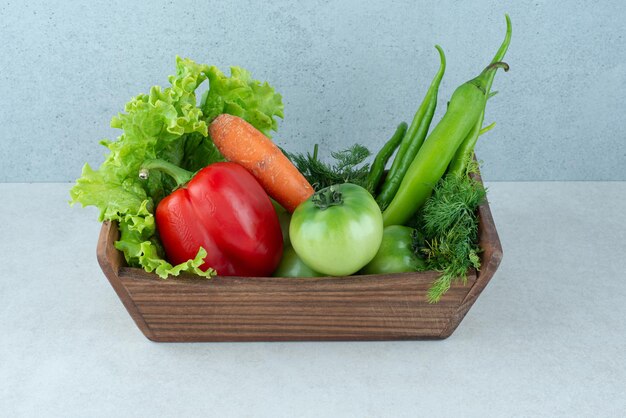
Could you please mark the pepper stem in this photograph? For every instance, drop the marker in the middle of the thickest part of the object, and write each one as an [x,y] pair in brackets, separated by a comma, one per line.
[180,175]
[484,79]
[325,198]
[496,65]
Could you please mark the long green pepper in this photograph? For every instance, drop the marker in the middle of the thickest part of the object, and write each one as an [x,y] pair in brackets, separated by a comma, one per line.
[378,166]
[432,160]
[413,139]
[458,165]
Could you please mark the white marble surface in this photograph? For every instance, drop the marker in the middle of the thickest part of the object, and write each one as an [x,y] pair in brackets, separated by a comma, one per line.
[546,338]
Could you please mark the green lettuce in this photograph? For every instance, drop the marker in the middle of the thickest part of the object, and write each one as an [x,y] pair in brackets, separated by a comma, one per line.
[167,124]
[242,96]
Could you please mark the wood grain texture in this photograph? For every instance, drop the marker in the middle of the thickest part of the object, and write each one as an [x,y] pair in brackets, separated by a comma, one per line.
[370,307]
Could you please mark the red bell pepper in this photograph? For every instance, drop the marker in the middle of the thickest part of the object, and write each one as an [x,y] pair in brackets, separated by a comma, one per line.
[225,210]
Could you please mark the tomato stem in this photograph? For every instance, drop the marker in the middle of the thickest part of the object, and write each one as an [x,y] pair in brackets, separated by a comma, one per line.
[325,198]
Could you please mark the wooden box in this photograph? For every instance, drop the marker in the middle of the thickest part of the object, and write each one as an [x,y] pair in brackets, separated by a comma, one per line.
[370,307]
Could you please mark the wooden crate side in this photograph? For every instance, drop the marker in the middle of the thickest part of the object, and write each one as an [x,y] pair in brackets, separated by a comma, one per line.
[111,261]
[272,309]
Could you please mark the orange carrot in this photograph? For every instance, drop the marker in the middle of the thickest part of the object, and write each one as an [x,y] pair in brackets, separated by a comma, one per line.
[242,143]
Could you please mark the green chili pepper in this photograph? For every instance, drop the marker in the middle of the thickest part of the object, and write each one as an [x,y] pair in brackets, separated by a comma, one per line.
[433,158]
[458,165]
[378,166]
[413,139]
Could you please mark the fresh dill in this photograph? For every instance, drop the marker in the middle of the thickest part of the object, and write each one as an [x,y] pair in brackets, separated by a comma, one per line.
[349,167]
[450,224]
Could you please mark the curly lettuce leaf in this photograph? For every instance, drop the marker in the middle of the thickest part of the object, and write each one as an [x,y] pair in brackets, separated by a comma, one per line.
[197,151]
[154,125]
[240,95]
[141,248]
[110,194]
[167,124]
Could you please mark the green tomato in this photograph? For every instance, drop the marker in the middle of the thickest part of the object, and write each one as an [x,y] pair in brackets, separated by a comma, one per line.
[396,254]
[338,230]
[292,266]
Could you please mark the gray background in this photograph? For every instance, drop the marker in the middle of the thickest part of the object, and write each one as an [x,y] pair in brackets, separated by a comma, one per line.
[348,72]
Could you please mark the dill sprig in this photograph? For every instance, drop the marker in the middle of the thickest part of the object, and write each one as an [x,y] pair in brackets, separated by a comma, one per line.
[346,169]
[450,224]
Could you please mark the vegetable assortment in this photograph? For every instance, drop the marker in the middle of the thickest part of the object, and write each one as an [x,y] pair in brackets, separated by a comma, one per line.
[168,124]
[197,185]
